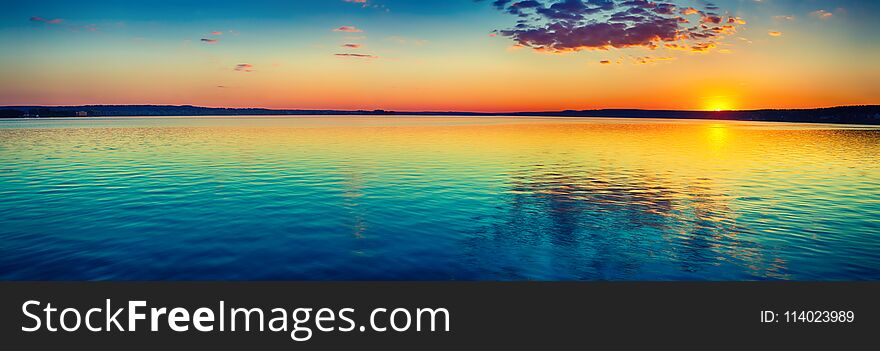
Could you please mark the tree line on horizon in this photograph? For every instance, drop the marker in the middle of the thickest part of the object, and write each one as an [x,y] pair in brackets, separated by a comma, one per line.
[863,114]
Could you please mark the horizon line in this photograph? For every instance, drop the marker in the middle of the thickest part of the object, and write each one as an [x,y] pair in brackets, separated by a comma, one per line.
[445,111]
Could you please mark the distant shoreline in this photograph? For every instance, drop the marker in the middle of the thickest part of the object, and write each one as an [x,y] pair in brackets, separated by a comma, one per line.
[866,115]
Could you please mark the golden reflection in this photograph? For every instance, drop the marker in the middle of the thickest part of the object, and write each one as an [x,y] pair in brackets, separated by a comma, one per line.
[718,135]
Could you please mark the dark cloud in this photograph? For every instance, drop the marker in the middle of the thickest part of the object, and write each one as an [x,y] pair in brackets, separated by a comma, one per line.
[46,20]
[244,67]
[357,56]
[574,25]
[210,41]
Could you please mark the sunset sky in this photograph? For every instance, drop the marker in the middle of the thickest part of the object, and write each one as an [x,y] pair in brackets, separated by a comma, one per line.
[465,55]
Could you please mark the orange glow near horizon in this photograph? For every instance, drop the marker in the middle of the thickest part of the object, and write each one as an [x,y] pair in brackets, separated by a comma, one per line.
[719,103]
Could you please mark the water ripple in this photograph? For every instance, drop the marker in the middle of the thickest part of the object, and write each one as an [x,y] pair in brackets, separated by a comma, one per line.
[330,198]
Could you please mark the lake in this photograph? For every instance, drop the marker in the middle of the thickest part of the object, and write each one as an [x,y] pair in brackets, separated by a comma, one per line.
[437,198]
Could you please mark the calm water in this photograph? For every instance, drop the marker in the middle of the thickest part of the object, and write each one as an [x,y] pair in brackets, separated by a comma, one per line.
[352,198]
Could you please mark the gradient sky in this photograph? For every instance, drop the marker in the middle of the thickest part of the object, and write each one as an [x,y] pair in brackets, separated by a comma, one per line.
[442,55]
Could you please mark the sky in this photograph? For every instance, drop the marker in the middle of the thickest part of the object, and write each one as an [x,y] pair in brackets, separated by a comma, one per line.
[449,55]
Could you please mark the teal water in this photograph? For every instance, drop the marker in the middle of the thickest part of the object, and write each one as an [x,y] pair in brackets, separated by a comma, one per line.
[418,198]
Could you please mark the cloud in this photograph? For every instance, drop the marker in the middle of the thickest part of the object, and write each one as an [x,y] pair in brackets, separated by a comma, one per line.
[774,33]
[784,18]
[648,59]
[352,46]
[703,47]
[216,32]
[70,27]
[822,14]
[605,62]
[244,67]
[46,20]
[724,29]
[689,11]
[576,25]
[364,56]
[348,29]
[368,4]
[210,41]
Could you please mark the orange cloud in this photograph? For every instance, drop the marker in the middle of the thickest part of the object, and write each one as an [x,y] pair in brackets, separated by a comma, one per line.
[244,67]
[210,41]
[689,11]
[648,59]
[774,33]
[703,47]
[352,46]
[724,29]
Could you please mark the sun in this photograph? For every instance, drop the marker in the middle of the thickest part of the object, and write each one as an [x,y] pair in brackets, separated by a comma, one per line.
[719,104]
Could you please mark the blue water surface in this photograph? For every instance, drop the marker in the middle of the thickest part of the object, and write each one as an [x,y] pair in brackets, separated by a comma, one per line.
[453,198]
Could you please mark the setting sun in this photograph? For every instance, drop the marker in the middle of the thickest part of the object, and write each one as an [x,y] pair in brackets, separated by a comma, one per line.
[718,104]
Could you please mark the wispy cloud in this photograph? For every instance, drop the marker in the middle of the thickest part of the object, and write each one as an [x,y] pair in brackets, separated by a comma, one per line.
[822,14]
[644,60]
[216,32]
[774,33]
[210,41]
[60,23]
[348,29]
[244,67]
[352,46]
[364,56]
[368,4]
[703,47]
[46,20]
